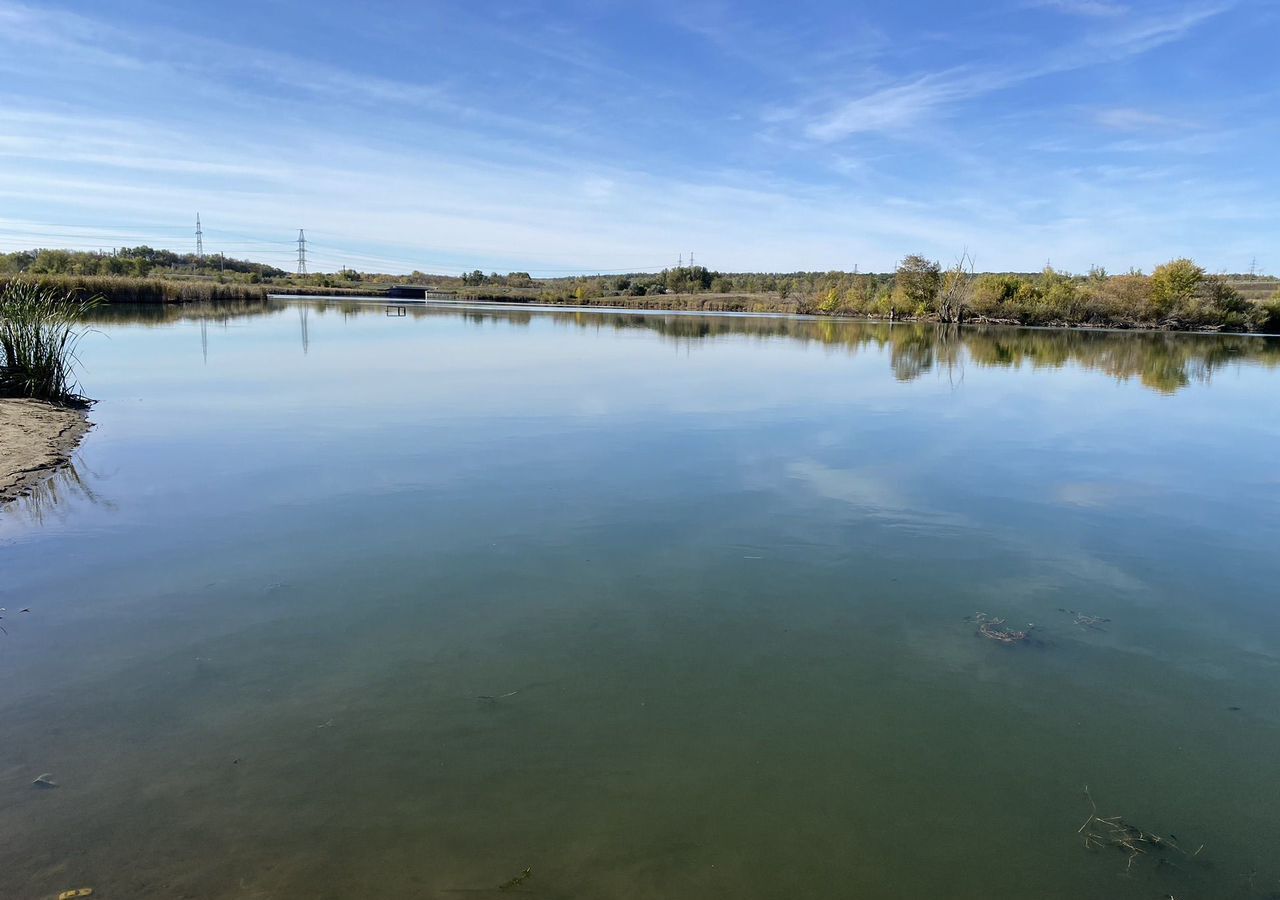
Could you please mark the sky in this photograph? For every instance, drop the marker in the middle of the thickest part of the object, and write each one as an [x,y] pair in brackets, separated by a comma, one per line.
[581,137]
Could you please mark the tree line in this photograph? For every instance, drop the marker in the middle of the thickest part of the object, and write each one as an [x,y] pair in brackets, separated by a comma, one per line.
[130,262]
[1177,295]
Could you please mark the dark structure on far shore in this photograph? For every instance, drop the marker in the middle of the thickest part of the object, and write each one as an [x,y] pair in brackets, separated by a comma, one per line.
[419,292]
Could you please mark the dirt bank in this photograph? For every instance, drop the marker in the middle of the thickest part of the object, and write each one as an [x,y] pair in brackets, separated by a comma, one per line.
[35,440]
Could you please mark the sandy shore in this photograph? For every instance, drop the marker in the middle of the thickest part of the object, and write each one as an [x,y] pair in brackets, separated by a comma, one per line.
[35,440]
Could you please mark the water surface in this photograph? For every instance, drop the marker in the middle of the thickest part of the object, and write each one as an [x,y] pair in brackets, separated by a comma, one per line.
[340,604]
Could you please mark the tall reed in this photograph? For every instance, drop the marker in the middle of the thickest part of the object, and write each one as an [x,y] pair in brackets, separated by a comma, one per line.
[119,289]
[39,331]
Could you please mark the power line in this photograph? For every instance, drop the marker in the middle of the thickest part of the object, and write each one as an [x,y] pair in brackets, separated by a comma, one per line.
[78,236]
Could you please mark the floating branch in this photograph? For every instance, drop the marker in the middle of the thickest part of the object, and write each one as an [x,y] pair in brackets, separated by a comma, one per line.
[1100,832]
[517,881]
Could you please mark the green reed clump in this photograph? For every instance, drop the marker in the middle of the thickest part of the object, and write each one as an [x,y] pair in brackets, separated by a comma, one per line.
[39,331]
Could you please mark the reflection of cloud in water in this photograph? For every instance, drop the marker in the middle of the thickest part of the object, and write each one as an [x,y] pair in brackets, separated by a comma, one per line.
[1086,494]
[1036,578]
[1098,494]
[871,489]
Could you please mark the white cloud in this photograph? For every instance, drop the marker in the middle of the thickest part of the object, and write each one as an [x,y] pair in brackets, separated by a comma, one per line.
[1095,8]
[896,108]
[1129,119]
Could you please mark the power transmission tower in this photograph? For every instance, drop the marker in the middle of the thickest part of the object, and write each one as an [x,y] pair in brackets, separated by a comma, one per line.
[690,259]
[199,241]
[302,253]
[680,262]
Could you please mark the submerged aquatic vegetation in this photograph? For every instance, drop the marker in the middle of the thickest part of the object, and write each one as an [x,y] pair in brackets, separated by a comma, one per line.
[996,630]
[39,331]
[1086,621]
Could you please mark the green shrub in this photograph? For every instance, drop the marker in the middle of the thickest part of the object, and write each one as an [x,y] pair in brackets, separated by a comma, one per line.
[1173,284]
[1266,315]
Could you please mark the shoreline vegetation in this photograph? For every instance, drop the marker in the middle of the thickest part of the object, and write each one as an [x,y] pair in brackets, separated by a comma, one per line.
[39,331]
[1176,296]
[42,414]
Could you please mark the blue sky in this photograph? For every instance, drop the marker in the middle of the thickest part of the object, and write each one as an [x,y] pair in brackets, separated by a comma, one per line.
[605,136]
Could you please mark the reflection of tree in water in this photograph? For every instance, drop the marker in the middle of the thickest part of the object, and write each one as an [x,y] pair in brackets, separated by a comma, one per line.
[1162,361]
[63,484]
[911,355]
[159,314]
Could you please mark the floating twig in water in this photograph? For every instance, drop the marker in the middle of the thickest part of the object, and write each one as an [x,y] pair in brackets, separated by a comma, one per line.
[517,881]
[1113,831]
[498,697]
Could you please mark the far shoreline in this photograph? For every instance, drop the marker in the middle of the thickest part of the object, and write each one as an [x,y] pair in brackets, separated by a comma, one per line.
[649,308]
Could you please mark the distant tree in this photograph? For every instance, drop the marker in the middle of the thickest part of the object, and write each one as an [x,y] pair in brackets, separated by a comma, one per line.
[1174,283]
[1059,298]
[916,284]
[52,262]
[1267,315]
[955,289]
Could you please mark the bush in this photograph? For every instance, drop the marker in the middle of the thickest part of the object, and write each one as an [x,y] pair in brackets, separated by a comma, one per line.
[1266,316]
[38,337]
[916,285]
[832,302]
[1173,284]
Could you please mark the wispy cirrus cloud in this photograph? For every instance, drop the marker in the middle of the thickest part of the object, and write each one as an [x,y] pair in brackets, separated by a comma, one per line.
[897,107]
[1140,120]
[1094,8]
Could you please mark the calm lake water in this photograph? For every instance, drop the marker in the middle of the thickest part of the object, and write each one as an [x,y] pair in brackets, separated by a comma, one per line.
[345,605]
